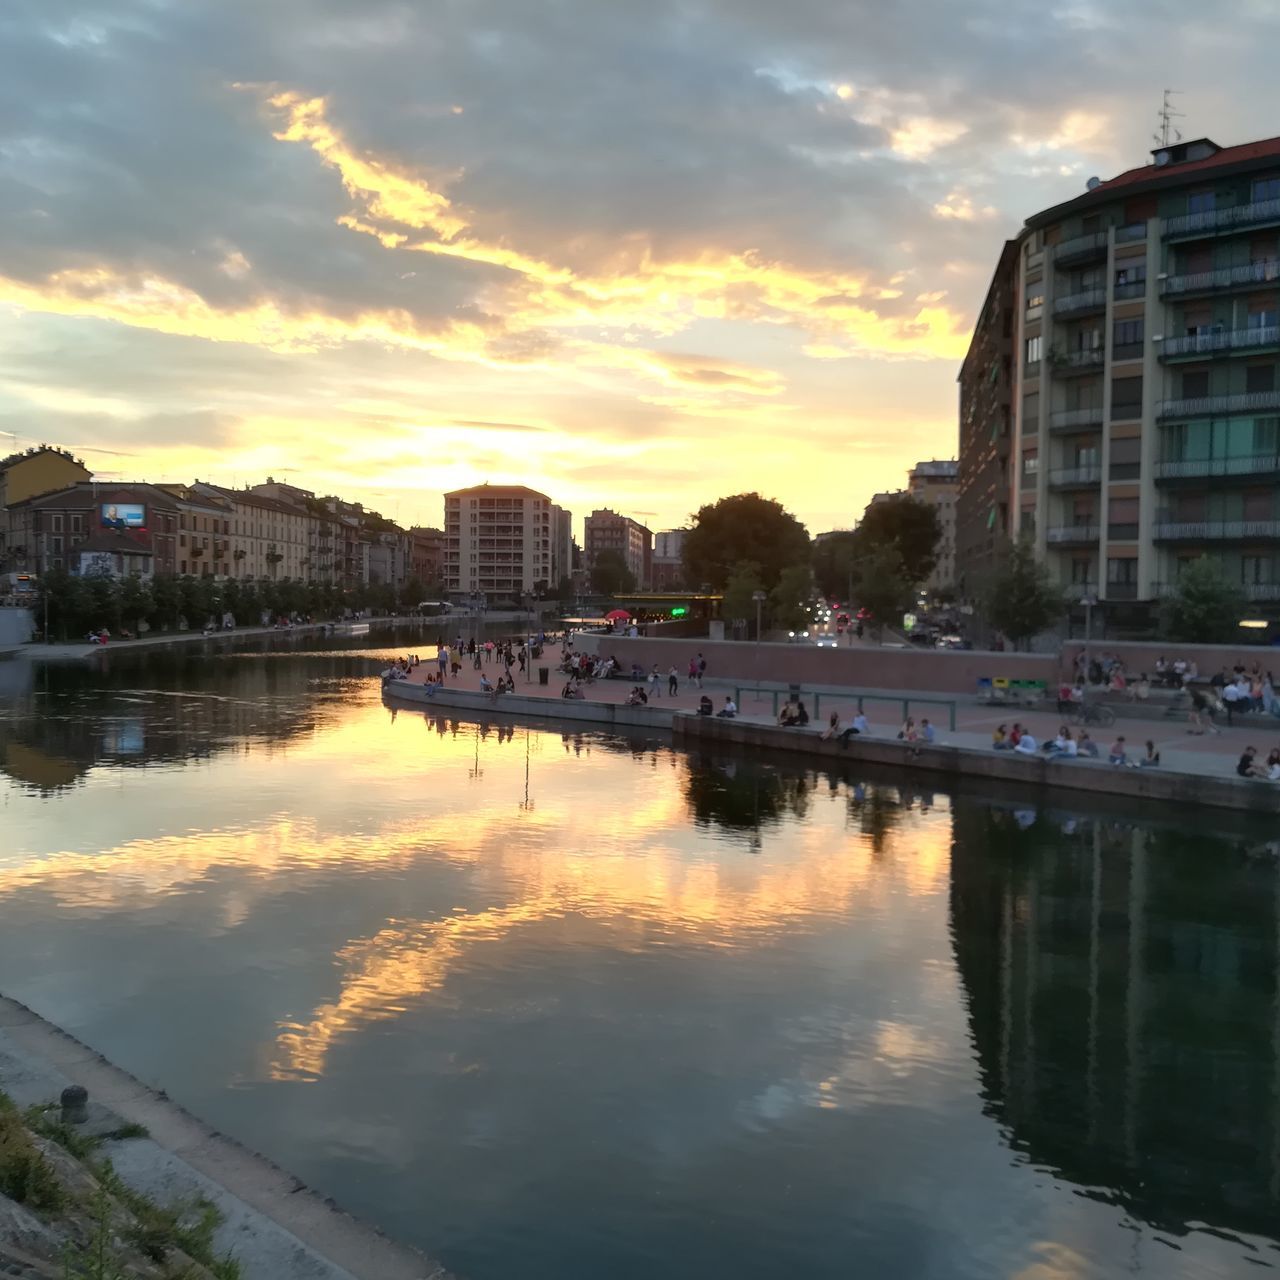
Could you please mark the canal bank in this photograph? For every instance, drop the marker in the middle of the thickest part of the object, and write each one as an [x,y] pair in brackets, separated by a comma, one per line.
[274,1226]
[1195,777]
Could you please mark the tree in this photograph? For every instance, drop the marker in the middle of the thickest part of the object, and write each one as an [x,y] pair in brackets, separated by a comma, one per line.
[165,601]
[882,587]
[912,527]
[1021,600]
[742,529]
[739,592]
[135,602]
[610,575]
[835,561]
[790,600]
[1205,608]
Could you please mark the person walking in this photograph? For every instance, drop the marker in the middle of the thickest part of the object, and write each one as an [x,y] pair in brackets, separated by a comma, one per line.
[655,682]
[702,669]
[442,660]
[693,672]
[673,682]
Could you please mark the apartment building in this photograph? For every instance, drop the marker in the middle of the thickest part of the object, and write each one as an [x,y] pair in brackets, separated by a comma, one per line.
[607,530]
[1146,397]
[982,518]
[934,483]
[25,475]
[668,560]
[267,538]
[426,555]
[562,547]
[498,542]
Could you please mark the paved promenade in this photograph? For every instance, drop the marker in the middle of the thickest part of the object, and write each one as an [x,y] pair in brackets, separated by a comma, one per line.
[1207,755]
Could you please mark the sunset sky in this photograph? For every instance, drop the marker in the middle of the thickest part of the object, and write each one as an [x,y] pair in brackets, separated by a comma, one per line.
[633,254]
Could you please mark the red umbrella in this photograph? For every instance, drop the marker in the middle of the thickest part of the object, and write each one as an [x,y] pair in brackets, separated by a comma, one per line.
[617,615]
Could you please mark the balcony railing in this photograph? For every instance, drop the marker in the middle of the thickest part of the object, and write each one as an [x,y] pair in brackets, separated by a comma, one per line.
[1077,591]
[1063,477]
[1242,215]
[1252,590]
[1202,406]
[1199,344]
[1216,530]
[1128,234]
[1122,590]
[1074,419]
[1265,272]
[1088,300]
[1072,533]
[1088,246]
[1251,465]
[1076,361]
[1134,289]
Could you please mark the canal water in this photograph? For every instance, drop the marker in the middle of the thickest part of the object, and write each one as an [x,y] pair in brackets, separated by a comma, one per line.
[559,1005]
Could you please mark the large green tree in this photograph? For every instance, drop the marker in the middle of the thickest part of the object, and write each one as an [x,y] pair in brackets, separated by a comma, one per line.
[790,602]
[1020,599]
[1206,606]
[745,528]
[835,563]
[912,528]
[882,587]
[610,575]
[739,592]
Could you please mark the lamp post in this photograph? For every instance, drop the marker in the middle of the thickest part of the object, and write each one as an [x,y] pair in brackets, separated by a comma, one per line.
[759,597]
[1088,600]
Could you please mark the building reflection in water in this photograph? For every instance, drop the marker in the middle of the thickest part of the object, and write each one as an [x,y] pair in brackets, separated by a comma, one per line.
[1123,1001]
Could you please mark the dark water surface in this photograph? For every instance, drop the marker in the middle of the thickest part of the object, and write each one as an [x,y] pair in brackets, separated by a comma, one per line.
[579,1005]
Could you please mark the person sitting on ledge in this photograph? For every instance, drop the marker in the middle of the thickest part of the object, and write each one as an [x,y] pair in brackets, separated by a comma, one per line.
[833,727]
[704,706]
[789,716]
[1026,744]
[486,685]
[1152,759]
[570,689]
[1247,766]
[637,697]
[729,710]
[1000,739]
[1118,754]
[1086,746]
[1273,766]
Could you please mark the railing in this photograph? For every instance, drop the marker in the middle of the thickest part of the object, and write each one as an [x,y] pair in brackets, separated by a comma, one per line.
[1227,340]
[1134,231]
[1134,289]
[1077,591]
[1242,215]
[1214,530]
[1122,590]
[1245,402]
[1252,590]
[1089,300]
[1265,272]
[835,695]
[1070,419]
[1076,475]
[1068,360]
[1073,533]
[1081,246]
[1250,465]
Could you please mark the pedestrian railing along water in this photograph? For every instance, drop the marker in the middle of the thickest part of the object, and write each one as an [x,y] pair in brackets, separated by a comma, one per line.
[903,702]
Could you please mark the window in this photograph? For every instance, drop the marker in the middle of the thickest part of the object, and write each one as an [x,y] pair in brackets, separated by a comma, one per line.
[1195,384]
[1126,458]
[1131,280]
[1122,518]
[55,522]
[1259,378]
[1126,398]
[1031,414]
[1126,340]
[1255,570]
[1035,298]
[1030,464]
[1122,572]
[1263,313]
[1266,189]
[1201,202]
[1081,572]
[1034,347]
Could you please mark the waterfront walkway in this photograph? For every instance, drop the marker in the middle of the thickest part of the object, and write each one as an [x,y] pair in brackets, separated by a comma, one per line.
[1207,755]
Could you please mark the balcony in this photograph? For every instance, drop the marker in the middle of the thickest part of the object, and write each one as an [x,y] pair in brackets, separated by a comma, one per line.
[1080,591]
[1075,304]
[1131,233]
[1133,289]
[1215,530]
[1081,249]
[1254,591]
[1214,406]
[1258,464]
[1075,477]
[1251,273]
[1257,214]
[1122,590]
[1075,419]
[1069,363]
[1072,535]
[1221,342]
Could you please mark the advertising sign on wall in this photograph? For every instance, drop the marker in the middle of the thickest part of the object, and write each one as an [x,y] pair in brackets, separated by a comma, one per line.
[123,515]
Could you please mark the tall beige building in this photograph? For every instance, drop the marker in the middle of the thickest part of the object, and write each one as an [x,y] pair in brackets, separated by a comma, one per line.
[1146,392]
[934,484]
[499,542]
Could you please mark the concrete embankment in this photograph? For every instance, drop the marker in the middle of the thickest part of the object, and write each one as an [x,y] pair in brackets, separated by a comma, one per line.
[270,1222]
[1094,776]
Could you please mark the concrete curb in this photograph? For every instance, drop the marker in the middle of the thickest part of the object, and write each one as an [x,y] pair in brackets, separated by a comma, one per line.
[279,1228]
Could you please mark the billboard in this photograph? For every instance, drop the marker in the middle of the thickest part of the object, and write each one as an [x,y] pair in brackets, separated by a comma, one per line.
[123,515]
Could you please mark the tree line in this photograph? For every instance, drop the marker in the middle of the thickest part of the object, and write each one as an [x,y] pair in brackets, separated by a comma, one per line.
[166,602]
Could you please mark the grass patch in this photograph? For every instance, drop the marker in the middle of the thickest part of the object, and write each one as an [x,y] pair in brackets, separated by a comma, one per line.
[25,1175]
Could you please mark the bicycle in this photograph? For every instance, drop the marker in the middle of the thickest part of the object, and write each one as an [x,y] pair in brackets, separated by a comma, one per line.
[1095,713]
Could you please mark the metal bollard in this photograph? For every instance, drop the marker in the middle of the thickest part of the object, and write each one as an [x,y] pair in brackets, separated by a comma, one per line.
[75,1104]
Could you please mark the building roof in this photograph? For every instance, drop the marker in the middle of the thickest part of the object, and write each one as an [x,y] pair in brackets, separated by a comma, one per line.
[88,493]
[947,468]
[493,490]
[14,458]
[1222,162]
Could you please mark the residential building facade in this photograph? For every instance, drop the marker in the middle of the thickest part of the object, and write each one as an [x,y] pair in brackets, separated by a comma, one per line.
[29,474]
[1146,394]
[427,556]
[607,530]
[498,542]
[982,517]
[934,484]
[668,560]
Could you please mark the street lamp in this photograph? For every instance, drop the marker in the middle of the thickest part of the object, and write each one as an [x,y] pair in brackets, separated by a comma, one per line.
[759,597]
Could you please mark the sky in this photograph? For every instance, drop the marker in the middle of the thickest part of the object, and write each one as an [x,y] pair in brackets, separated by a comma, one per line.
[636,255]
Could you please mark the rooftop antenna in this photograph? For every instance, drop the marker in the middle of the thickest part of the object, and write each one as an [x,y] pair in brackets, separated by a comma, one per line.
[1167,115]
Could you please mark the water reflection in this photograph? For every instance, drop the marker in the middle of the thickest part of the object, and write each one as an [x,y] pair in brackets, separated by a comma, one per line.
[1124,1005]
